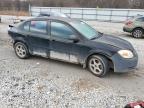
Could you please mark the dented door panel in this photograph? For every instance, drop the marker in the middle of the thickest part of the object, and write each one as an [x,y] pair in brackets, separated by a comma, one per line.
[38,38]
[60,49]
[79,52]
[60,45]
[38,45]
[59,55]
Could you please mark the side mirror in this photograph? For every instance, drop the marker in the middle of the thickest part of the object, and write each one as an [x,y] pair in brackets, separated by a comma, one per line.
[74,38]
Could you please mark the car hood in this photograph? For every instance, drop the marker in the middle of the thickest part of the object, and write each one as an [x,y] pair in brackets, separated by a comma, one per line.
[114,41]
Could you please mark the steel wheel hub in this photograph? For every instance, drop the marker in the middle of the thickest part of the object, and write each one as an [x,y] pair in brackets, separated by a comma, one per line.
[138,33]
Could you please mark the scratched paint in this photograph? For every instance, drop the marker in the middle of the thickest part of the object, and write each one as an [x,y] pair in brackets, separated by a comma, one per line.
[40,53]
[57,55]
[73,58]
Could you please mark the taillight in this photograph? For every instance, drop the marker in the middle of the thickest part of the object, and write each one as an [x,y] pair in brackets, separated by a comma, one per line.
[129,22]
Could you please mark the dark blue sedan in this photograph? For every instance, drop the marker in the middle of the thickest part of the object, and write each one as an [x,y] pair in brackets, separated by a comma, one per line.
[74,41]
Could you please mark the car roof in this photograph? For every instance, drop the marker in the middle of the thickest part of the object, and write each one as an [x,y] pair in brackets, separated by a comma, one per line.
[51,12]
[140,17]
[64,19]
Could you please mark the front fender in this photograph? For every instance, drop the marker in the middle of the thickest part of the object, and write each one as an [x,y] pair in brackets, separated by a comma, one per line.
[96,52]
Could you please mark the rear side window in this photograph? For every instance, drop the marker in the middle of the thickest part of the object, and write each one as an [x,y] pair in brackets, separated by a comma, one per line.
[38,27]
[26,26]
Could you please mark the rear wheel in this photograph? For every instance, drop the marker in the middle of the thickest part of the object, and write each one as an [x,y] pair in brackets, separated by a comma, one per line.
[98,65]
[21,50]
[137,33]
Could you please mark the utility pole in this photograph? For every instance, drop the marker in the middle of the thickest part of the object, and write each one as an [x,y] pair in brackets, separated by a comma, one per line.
[29,1]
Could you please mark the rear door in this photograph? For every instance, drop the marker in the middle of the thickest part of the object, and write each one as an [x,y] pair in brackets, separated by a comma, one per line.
[38,37]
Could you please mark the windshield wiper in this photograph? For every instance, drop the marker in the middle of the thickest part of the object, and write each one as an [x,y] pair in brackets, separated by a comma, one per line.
[94,38]
[99,34]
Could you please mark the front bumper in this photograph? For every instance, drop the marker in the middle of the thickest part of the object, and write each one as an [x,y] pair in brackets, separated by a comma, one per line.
[126,29]
[123,65]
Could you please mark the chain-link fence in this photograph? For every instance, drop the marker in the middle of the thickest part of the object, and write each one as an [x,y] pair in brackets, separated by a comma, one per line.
[101,14]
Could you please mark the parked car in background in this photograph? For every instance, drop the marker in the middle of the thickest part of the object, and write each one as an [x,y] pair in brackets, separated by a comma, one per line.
[52,14]
[73,41]
[138,104]
[135,26]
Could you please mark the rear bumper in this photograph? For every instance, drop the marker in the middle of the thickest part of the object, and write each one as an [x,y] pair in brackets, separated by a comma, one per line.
[122,65]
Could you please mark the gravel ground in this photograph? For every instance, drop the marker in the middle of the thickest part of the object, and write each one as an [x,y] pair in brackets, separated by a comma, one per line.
[43,83]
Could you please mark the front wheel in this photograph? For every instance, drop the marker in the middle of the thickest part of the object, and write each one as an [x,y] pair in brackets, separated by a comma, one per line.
[137,33]
[21,50]
[98,65]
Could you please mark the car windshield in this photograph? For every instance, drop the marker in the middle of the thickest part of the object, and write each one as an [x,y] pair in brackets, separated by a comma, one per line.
[86,30]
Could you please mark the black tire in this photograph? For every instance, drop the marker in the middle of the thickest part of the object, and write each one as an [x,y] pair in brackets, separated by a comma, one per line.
[138,33]
[21,50]
[100,67]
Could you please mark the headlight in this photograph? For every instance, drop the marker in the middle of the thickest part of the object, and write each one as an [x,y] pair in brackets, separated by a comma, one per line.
[126,53]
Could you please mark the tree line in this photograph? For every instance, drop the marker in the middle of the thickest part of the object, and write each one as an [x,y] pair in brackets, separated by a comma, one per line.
[24,4]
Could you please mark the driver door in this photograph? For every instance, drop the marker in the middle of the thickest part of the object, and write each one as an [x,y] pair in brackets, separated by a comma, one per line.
[60,44]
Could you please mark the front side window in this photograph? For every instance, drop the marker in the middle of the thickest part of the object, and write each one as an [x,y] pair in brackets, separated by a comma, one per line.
[140,19]
[38,27]
[61,30]
[86,30]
